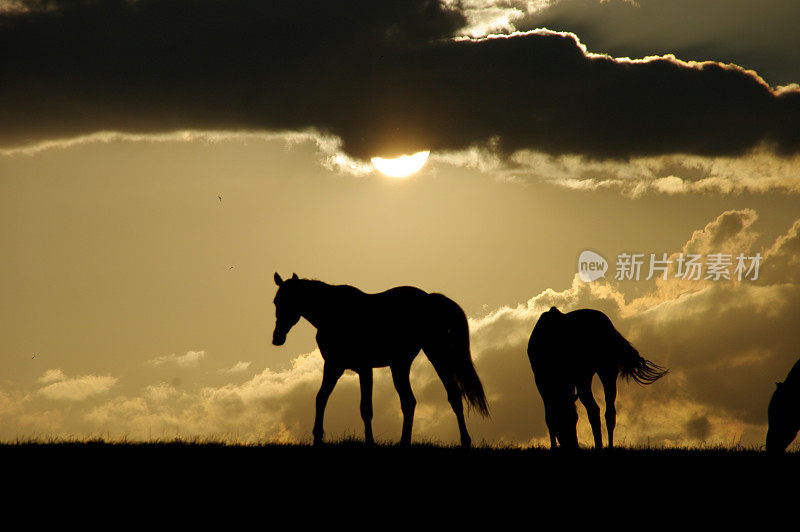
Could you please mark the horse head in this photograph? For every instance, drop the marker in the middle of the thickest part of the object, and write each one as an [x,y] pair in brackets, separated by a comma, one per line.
[565,418]
[784,421]
[287,307]
[560,407]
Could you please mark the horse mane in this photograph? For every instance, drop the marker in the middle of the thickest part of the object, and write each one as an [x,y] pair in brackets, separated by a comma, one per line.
[326,291]
[316,283]
[313,282]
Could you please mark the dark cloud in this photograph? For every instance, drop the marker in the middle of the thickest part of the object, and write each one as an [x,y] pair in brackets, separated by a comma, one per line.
[698,428]
[757,35]
[385,77]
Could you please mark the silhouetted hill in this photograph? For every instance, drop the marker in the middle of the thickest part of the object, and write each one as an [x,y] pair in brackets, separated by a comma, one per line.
[263,480]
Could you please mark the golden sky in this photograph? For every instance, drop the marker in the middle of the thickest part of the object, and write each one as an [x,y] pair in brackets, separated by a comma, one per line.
[137,303]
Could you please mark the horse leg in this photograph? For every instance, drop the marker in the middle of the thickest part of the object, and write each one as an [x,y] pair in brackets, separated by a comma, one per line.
[400,376]
[330,375]
[592,410]
[550,422]
[551,428]
[365,378]
[453,392]
[610,391]
[454,398]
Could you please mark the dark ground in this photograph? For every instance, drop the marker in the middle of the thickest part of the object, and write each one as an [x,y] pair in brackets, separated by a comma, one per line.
[182,483]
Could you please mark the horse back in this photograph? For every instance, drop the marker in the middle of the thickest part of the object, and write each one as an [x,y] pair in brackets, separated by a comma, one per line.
[568,345]
[401,293]
[375,328]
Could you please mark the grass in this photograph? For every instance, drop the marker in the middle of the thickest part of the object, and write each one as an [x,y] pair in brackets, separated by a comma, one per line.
[354,446]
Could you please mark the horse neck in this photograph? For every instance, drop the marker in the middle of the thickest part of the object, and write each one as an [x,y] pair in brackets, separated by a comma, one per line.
[316,303]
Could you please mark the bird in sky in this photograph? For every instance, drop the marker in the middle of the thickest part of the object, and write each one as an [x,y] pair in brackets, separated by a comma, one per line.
[220,197]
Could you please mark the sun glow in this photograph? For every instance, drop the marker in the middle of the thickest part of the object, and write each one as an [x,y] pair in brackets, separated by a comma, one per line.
[402,166]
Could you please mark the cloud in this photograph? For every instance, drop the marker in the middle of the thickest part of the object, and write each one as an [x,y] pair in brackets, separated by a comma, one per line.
[730,232]
[259,409]
[782,259]
[484,17]
[239,367]
[759,171]
[52,375]
[161,392]
[189,360]
[13,6]
[763,39]
[78,388]
[328,146]
[384,78]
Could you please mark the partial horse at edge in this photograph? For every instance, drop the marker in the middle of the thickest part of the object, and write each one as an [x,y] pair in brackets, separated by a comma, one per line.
[783,412]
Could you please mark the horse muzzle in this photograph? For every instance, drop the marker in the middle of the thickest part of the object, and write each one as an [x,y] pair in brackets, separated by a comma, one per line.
[278,339]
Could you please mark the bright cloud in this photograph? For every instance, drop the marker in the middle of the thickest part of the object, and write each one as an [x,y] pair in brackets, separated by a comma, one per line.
[759,171]
[52,375]
[239,367]
[189,360]
[78,388]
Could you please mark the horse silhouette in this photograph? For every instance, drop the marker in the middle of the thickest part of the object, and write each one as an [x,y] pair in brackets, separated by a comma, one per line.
[784,412]
[359,332]
[566,351]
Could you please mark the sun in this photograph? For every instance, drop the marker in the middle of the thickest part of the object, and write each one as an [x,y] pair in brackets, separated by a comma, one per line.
[402,166]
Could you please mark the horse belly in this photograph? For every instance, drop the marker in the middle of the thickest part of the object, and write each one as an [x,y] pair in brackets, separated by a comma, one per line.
[353,349]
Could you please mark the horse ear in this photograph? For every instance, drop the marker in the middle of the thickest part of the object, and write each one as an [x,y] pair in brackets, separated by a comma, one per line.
[278,280]
[294,276]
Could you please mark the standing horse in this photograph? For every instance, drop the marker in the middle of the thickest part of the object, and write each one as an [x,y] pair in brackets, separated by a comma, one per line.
[566,351]
[784,412]
[359,331]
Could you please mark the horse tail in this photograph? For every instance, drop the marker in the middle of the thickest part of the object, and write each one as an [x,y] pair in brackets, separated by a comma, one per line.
[458,362]
[635,366]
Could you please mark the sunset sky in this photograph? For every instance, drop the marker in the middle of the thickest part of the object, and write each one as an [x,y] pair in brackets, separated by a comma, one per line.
[161,159]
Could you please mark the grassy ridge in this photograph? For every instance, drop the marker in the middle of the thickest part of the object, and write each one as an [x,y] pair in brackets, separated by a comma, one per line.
[483,459]
[207,477]
[356,446]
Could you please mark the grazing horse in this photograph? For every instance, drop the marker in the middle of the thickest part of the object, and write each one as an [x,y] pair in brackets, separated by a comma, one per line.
[359,331]
[566,351]
[784,412]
